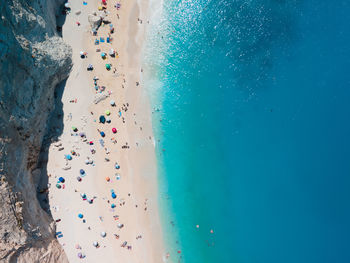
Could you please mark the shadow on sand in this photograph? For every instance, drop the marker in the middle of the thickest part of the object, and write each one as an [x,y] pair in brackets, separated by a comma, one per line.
[54,128]
[61,18]
[53,132]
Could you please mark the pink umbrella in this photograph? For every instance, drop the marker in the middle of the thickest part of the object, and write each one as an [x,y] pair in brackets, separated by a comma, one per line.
[114,130]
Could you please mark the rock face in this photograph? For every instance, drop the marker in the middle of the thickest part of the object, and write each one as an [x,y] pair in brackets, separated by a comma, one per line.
[95,21]
[33,60]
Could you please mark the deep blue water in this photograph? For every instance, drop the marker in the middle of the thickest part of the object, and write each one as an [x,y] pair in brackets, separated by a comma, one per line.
[253,129]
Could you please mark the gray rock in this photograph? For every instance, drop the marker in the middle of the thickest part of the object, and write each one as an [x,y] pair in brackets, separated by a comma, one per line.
[95,21]
[33,60]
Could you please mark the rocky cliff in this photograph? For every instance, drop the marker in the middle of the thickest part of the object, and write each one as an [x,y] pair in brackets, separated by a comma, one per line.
[33,60]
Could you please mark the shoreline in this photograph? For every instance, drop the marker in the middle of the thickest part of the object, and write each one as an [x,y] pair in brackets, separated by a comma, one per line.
[137,190]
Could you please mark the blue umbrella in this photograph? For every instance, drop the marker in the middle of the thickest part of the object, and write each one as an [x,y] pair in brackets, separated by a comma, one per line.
[102,119]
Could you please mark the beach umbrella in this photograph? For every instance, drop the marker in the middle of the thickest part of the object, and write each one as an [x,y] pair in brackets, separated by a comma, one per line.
[120,225]
[114,130]
[111,52]
[80,255]
[61,179]
[108,66]
[79,179]
[82,134]
[117,176]
[90,67]
[82,171]
[102,119]
[87,161]
[114,196]
[103,55]
[107,112]
[117,166]
[108,179]
[95,244]
[91,142]
[112,102]
[75,129]
[58,186]
[102,134]
[83,195]
[68,157]
[108,120]
[103,234]
[80,215]
[112,205]
[66,5]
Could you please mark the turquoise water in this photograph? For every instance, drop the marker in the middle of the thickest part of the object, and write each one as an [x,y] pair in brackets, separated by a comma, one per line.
[253,129]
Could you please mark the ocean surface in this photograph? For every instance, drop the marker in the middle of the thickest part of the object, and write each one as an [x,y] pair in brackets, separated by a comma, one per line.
[251,104]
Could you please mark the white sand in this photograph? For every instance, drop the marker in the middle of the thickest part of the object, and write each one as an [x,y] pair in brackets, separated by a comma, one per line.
[138,169]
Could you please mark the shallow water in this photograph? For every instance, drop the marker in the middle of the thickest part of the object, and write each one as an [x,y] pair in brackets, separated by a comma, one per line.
[253,129]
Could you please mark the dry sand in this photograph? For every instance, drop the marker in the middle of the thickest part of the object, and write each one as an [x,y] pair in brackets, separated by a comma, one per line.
[136,202]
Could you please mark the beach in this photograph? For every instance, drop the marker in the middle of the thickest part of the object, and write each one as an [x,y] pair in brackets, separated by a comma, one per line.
[102,171]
